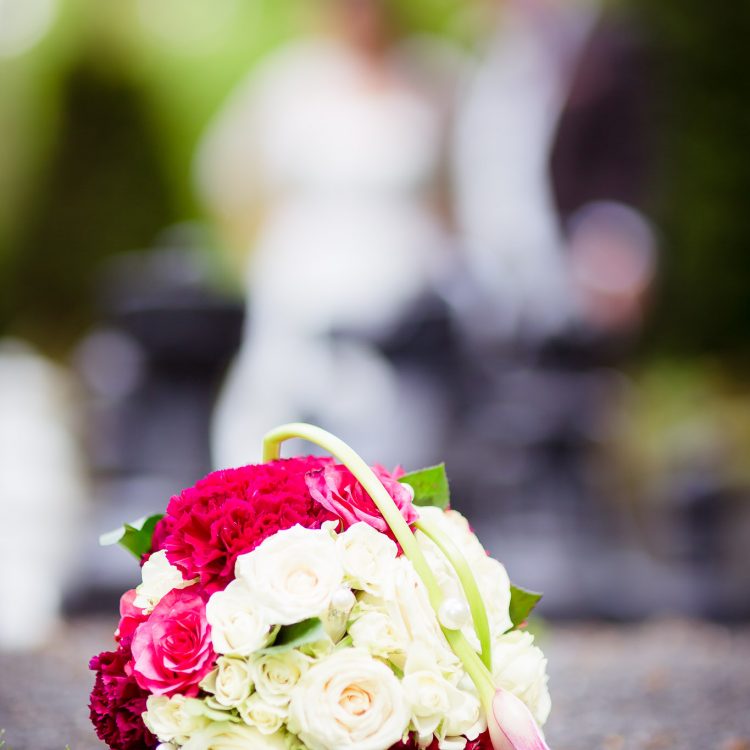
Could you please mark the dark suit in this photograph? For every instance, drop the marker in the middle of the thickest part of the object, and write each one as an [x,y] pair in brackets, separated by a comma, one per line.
[602,148]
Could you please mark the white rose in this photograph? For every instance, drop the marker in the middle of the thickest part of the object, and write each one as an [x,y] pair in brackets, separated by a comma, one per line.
[427,692]
[494,586]
[277,674]
[231,681]
[464,720]
[490,575]
[224,735]
[159,578]
[520,667]
[292,574]
[438,706]
[377,633]
[408,606]
[266,717]
[349,700]
[168,719]
[366,555]
[455,526]
[492,579]
[238,625]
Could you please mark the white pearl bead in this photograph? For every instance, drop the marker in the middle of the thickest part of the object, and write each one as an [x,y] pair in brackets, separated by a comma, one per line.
[342,600]
[453,613]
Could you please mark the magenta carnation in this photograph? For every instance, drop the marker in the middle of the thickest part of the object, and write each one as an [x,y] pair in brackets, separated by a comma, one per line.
[483,742]
[336,489]
[231,512]
[172,650]
[117,703]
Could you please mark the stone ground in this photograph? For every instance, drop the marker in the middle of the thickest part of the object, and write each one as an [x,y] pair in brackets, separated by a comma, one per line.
[662,685]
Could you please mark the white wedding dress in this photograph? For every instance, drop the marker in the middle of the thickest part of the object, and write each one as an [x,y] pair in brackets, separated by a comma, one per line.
[505,131]
[348,240]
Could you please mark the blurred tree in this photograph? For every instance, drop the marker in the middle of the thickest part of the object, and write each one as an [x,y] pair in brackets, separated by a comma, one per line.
[102,193]
[704,303]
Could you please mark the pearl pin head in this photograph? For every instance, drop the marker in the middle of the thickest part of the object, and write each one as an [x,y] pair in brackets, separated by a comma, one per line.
[454,613]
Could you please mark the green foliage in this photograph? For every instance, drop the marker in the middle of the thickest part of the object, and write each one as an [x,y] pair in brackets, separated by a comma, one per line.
[135,537]
[430,486]
[297,635]
[522,602]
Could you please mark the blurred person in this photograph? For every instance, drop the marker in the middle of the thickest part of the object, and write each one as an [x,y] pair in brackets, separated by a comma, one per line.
[551,163]
[333,150]
[554,119]
[612,261]
[41,493]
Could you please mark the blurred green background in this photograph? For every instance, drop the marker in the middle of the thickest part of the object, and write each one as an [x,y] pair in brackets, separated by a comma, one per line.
[99,120]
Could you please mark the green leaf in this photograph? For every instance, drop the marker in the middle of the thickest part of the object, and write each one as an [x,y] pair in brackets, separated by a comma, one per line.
[430,486]
[134,537]
[346,642]
[299,634]
[522,601]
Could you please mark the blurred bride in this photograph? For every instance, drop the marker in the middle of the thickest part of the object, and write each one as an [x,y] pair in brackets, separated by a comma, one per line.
[327,163]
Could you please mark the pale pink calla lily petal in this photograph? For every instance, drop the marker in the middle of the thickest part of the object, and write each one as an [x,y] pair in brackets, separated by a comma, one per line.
[511,725]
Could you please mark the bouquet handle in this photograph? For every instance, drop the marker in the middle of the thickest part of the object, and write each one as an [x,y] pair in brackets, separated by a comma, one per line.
[475,666]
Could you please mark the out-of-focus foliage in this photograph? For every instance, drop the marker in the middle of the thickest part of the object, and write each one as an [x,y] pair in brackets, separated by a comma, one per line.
[685,418]
[702,59]
[99,122]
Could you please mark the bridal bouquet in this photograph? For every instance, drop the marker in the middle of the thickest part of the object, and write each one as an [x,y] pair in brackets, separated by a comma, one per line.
[318,603]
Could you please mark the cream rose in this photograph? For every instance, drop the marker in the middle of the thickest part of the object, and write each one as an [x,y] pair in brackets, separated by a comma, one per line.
[238,625]
[437,704]
[465,719]
[427,693]
[292,574]
[276,674]
[224,735]
[159,577]
[407,605]
[378,633]
[455,526]
[349,700]
[231,681]
[366,556]
[521,668]
[168,719]
[494,586]
[490,575]
[265,717]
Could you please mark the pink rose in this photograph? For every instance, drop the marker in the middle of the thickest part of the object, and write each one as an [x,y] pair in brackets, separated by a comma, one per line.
[336,489]
[172,650]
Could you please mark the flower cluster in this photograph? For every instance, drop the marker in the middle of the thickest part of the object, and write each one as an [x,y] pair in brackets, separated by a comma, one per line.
[277,612]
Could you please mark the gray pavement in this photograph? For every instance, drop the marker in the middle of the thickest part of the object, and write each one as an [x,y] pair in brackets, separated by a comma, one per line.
[662,685]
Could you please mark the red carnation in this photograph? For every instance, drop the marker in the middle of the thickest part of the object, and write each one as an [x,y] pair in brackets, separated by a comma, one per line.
[483,742]
[117,703]
[231,512]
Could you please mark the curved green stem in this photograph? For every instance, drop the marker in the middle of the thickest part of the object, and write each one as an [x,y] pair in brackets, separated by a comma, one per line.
[474,666]
[468,584]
